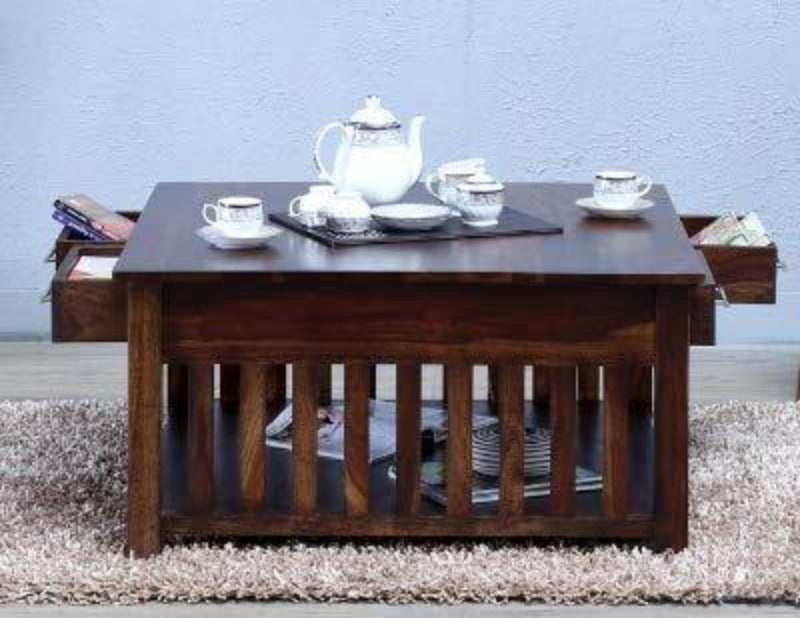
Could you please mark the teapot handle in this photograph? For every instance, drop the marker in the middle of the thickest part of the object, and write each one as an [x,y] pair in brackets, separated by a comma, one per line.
[324,174]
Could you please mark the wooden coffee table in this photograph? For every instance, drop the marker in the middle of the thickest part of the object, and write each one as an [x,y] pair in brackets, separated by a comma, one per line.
[604,293]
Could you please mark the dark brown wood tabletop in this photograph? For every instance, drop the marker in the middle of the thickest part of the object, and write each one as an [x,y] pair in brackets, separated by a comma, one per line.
[650,250]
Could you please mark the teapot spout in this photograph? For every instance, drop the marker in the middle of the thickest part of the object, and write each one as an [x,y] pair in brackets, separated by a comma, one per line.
[415,147]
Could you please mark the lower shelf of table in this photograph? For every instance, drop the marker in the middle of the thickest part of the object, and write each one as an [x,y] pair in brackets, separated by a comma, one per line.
[276,518]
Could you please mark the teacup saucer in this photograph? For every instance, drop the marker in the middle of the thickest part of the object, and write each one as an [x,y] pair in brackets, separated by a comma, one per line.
[216,237]
[596,210]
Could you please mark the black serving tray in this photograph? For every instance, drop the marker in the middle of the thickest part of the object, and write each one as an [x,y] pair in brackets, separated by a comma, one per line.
[510,223]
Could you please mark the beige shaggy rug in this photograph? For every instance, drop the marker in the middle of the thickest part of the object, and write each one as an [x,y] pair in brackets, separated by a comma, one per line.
[62,497]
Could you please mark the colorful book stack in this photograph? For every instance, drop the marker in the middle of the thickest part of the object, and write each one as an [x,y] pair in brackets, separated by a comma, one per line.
[92,220]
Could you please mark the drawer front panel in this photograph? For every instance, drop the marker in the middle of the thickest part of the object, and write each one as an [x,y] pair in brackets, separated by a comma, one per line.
[424,321]
[87,310]
[746,274]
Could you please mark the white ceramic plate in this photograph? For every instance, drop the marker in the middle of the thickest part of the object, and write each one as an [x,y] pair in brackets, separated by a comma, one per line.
[214,236]
[411,217]
[596,210]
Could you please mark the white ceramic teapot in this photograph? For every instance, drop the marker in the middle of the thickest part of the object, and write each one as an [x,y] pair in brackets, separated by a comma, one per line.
[372,157]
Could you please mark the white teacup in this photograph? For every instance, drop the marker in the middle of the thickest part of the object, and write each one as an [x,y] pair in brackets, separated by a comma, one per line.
[619,189]
[309,208]
[443,183]
[236,216]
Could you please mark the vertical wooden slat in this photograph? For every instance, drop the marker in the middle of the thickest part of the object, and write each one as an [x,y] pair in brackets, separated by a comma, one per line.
[305,385]
[229,386]
[459,438]
[563,441]
[275,389]
[201,436]
[356,438]
[252,419]
[642,389]
[408,430]
[671,418]
[541,386]
[445,389]
[510,393]
[144,418]
[492,389]
[616,449]
[325,384]
[588,383]
[177,388]
[373,381]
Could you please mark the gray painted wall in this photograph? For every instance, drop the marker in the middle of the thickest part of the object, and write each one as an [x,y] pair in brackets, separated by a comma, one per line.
[108,97]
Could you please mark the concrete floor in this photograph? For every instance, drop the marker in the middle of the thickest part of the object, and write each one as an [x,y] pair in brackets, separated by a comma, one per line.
[41,370]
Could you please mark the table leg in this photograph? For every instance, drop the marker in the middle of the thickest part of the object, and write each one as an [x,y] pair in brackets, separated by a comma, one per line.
[144,418]
[671,418]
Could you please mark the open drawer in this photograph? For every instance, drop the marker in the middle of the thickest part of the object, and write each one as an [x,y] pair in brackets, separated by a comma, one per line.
[744,274]
[68,239]
[87,309]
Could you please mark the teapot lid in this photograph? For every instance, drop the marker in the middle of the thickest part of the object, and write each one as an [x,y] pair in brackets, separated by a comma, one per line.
[481,182]
[374,116]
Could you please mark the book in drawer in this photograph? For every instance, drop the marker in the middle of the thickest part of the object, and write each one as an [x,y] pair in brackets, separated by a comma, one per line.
[744,274]
[67,239]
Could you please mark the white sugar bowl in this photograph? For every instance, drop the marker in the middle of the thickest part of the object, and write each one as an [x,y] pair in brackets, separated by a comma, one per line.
[480,200]
[346,212]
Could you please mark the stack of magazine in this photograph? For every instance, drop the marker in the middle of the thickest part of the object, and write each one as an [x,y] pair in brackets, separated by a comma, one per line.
[90,219]
[486,469]
[485,449]
[382,444]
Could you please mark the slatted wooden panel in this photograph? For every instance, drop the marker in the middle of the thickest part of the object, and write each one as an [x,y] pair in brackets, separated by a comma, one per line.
[305,385]
[408,429]
[275,389]
[356,438]
[616,381]
[201,435]
[252,420]
[459,439]
[510,403]
[541,386]
[373,381]
[325,384]
[563,442]
[492,389]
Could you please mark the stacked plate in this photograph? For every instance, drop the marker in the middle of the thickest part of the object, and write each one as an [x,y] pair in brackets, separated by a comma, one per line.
[411,217]
[486,452]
